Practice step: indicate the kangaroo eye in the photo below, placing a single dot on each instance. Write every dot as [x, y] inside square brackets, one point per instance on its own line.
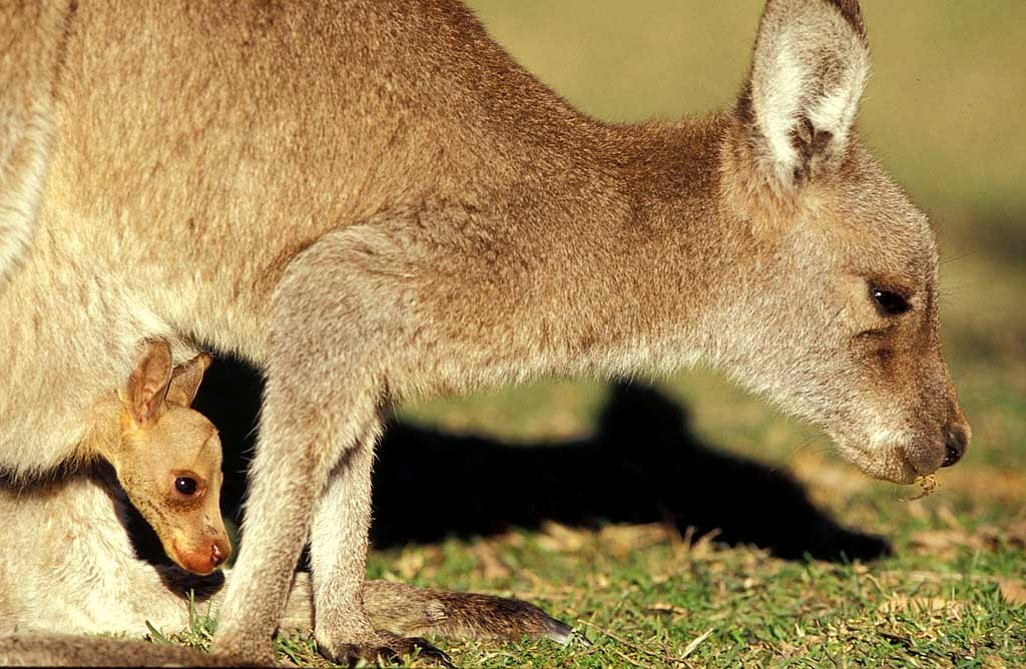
[892, 303]
[185, 485]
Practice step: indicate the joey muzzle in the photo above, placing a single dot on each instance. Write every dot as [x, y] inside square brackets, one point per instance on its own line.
[201, 557]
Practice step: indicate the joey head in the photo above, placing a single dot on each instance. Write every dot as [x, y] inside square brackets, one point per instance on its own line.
[168, 458]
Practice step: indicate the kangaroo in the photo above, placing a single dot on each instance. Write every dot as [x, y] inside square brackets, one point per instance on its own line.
[166, 456]
[370, 200]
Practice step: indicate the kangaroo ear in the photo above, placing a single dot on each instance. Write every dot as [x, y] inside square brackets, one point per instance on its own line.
[186, 380]
[148, 383]
[810, 67]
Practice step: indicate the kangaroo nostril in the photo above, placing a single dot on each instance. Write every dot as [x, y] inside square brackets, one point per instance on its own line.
[954, 446]
[216, 557]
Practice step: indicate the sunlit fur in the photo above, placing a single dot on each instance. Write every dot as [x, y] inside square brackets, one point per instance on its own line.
[32, 46]
[181, 443]
[150, 435]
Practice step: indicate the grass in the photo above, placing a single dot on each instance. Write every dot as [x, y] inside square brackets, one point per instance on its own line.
[942, 112]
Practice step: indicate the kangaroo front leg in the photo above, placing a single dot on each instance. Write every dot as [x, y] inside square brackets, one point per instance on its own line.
[326, 381]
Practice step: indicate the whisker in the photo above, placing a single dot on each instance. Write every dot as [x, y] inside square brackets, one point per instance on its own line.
[960, 256]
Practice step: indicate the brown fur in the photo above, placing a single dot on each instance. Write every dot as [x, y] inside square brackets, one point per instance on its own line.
[371, 200]
[60, 650]
[393, 607]
[95, 584]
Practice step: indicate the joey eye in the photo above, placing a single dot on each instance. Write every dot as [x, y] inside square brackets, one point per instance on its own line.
[186, 485]
[892, 303]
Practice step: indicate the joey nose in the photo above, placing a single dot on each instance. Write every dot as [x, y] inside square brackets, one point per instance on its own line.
[956, 441]
[218, 555]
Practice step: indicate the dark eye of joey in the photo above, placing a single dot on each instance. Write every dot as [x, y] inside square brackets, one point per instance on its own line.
[186, 485]
[890, 302]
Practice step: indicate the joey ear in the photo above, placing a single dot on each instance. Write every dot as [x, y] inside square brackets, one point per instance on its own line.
[808, 72]
[186, 379]
[148, 383]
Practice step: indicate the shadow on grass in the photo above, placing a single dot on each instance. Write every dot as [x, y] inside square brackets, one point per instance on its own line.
[643, 465]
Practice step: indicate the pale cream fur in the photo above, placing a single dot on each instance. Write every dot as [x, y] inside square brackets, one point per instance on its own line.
[69, 566]
[371, 200]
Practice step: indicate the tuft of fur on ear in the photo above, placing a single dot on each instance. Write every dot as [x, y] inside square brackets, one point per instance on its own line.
[808, 73]
[186, 380]
[148, 384]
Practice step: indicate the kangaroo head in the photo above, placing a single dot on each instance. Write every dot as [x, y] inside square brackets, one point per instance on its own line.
[169, 459]
[838, 316]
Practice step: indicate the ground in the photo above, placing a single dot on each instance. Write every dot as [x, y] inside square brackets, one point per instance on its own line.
[678, 521]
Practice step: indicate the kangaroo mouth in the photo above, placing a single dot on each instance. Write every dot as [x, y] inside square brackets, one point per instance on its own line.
[199, 562]
[904, 462]
[191, 562]
[893, 462]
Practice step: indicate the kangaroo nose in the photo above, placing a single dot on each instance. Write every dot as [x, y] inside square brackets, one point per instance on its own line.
[217, 556]
[955, 444]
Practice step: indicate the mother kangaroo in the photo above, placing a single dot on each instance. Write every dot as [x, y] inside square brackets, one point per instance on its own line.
[369, 200]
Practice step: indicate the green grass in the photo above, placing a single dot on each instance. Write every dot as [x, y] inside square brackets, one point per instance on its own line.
[648, 605]
[643, 597]
[943, 112]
